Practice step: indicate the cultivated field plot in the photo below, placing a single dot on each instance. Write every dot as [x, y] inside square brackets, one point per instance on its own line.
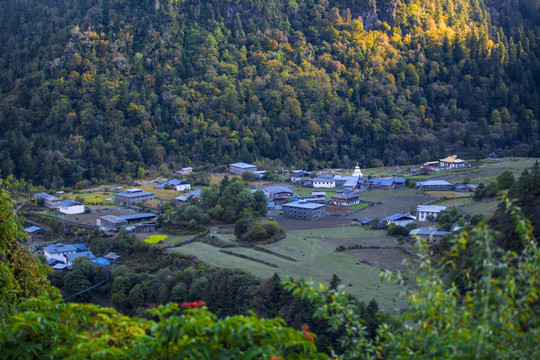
[167, 195]
[455, 202]
[290, 224]
[90, 219]
[316, 257]
[449, 194]
[486, 208]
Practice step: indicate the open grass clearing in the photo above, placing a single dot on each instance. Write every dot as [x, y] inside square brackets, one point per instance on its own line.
[486, 207]
[455, 202]
[316, 258]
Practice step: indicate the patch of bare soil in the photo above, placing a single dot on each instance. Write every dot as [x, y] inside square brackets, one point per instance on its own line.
[365, 241]
[90, 219]
[384, 259]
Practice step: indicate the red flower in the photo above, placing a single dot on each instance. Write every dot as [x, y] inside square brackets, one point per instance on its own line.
[192, 304]
[151, 304]
[307, 334]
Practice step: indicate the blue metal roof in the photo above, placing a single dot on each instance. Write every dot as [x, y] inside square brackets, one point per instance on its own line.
[181, 198]
[133, 195]
[434, 183]
[304, 205]
[278, 189]
[101, 261]
[138, 217]
[80, 247]
[243, 165]
[59, 248]
[86, 254]
[47, 197]
[32, 229]
[427, 231]
[396, 217]
[197, 192]
[323, 179]
[345, 196]
[69, 203]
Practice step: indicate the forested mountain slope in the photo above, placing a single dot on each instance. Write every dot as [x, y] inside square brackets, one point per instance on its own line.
[94, 88]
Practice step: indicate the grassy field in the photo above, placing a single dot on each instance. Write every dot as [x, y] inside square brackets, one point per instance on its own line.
[482, 207]
[315, 252]
[455, 202]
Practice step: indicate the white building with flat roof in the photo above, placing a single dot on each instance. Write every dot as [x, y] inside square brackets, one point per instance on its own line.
[240, 167]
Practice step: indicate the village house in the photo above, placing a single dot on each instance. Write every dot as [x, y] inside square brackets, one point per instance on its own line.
[111, 222]
[240, 167]
[139, 217]
[34, 233]
[349, 183]
[299, 176]
[386, 183]
[452, 162]
[181, 199]
[70, 207]
[58, 251]
[399, 219]
[323, 182]
[345, 199]
[424, 211]
[428, 234]
[49, 201]
[197, 193]
[178, 185]
[318, 194]
[132, 196]
[185, 170]
[278, 192]
[435, 185]
[304, 210]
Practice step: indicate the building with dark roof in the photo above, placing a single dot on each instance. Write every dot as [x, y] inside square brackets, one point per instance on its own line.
[385, 183]
[428, 234]
[304, 210]
[240, 167]
[435, 185]
[278, 192]
[111, 222]
[399, 219]
[345, 199]
[139, 217]
[34, 233]
[70, 207]
[132, 196]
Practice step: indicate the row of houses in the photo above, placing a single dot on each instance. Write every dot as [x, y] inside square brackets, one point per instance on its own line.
[68, 207]
[176, 184]
[449, 162]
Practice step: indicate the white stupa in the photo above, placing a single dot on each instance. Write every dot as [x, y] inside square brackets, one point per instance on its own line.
[357, 171]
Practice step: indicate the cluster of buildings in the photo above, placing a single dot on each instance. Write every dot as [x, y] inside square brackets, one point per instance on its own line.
[68, 207]
[449, 162]
[61, 257]
[111, 224]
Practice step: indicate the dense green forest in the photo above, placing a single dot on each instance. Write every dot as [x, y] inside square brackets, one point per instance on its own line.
[93, 89]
